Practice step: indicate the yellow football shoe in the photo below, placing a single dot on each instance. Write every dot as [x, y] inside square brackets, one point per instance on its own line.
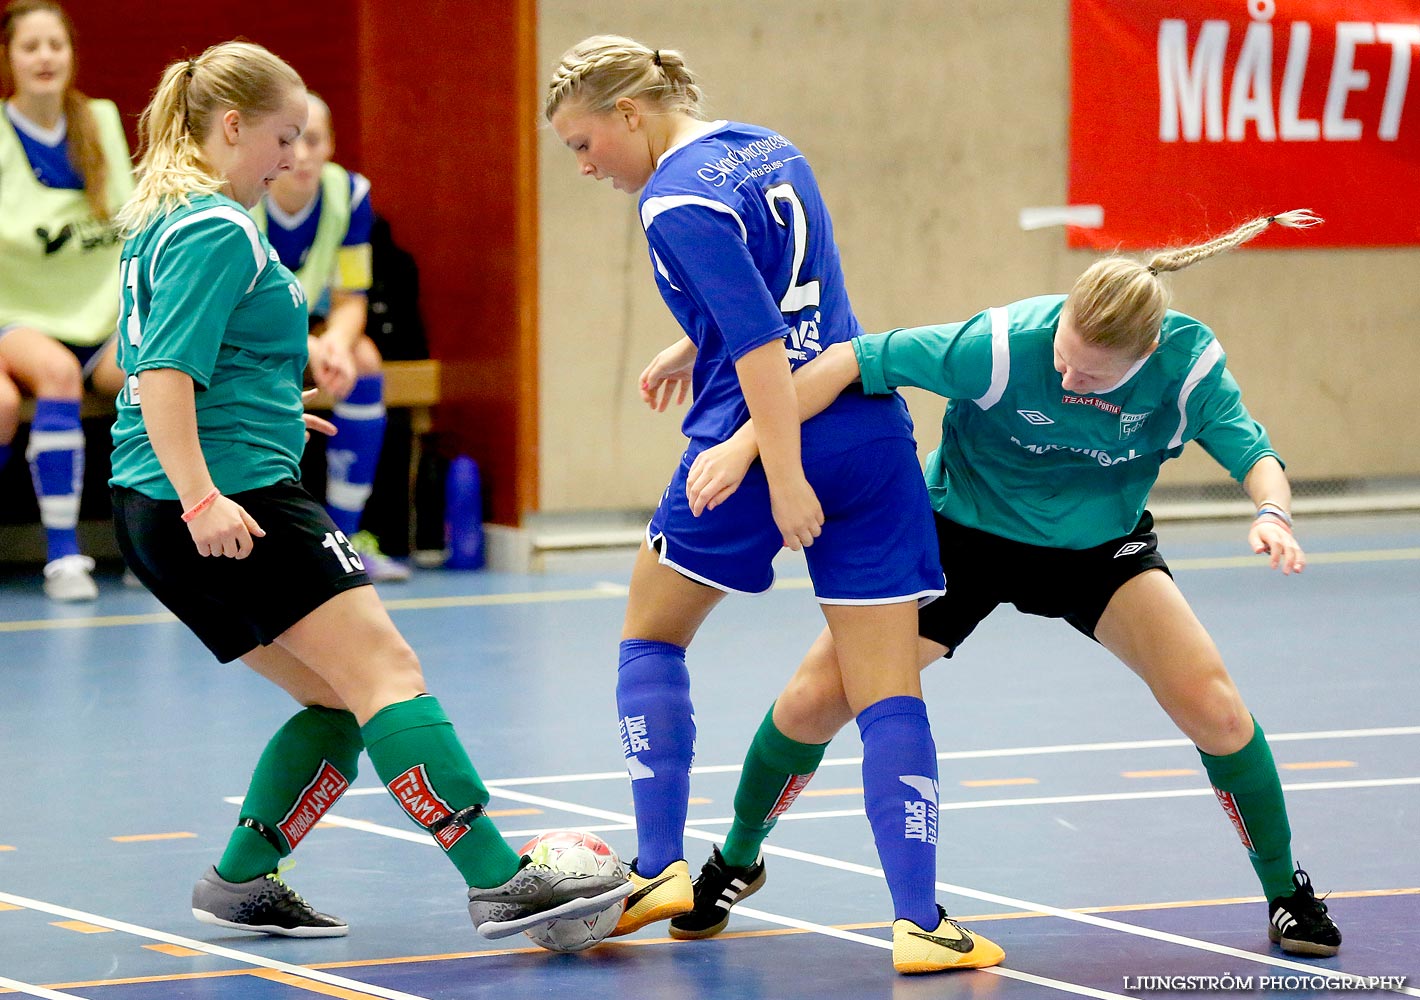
[948, 946]
[666, 895]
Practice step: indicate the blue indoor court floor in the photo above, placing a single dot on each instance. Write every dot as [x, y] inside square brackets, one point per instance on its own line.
[1077, 826]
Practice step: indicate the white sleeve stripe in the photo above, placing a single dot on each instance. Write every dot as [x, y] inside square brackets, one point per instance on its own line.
[1205, 364]
[653, 207]
[215, 212]
[359, 189]
[1000, 358]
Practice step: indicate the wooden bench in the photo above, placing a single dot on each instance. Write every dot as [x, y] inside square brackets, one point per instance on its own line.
[409, 385]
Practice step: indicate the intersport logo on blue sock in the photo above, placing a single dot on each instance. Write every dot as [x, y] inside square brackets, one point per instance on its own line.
[921, 812]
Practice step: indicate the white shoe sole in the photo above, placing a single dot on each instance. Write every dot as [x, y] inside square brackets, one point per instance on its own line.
[495, 929]
[297, 932]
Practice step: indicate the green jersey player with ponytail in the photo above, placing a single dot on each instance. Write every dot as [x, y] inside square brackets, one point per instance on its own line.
[1063, 408]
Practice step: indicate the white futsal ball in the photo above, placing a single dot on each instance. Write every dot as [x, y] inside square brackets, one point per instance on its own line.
[583, 854]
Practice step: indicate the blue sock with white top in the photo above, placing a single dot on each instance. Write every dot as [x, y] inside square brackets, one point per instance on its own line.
[56, 457]
[354, 452]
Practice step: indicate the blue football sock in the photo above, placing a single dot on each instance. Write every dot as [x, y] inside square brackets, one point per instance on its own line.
[900, 793]
[56, 457]
[658, 741]
[354, 452]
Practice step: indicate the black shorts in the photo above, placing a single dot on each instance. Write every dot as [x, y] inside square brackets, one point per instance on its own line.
[236, 605]
[984, 570]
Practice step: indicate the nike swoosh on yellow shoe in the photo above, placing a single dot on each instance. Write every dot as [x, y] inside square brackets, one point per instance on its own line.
[667, 895]
[949, 946]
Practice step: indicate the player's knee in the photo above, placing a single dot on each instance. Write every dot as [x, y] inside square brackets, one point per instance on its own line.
[367, 357]
[57, 376]
[1217, 715]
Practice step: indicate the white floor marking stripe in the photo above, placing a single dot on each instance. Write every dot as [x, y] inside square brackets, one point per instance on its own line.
[1327, 734]
[835, 932]
[990, 897]
[36, 991]
[210, 949]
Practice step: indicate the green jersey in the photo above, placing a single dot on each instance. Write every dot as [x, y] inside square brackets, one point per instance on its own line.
[204, 293]
[1024, 459]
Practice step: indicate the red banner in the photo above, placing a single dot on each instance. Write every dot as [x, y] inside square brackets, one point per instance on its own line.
[1189, 116]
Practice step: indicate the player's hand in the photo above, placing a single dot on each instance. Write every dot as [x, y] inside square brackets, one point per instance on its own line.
[797, 512]
[1270, 536]
[668, 374]
[224, 529]
[717, 472]
[314, 423]
[332, 366]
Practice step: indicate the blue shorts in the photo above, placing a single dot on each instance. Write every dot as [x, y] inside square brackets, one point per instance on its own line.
[878, 544]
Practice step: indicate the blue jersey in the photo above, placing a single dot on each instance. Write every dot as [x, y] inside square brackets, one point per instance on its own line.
[744, 256]
[292, 236]
[47, 151]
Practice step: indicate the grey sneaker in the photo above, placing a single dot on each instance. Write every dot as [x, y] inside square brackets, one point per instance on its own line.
[266, 905]
[537, 894]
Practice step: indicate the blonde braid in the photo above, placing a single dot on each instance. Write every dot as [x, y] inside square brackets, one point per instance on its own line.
[1120, 303]
[600, 70]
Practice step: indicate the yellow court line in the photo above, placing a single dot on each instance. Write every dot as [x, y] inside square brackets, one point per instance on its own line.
[1316, 765]
[135, 838]
[80, 927]
[642, 942]
[618, 593]
[818, 793]
[9, 906]
[529, 811]
[1168, 772]
[7, 847]
[175, 950]
[310, 985]
[998, 782]
[698, 800]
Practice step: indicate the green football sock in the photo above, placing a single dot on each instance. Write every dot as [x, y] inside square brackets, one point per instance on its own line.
[776, 769]
[420, 760]
[305, 768]
[1250, 791]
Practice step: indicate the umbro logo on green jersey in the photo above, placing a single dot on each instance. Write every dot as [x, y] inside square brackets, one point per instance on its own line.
[1035, 417]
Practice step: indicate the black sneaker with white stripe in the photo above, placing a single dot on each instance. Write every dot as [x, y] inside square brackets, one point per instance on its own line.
[1299, 922]
[718, 887]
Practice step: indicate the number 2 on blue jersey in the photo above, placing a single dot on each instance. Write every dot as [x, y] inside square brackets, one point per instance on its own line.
[798, 295]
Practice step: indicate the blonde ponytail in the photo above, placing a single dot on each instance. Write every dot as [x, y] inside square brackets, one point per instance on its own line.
[1120, 303]
[187, 104]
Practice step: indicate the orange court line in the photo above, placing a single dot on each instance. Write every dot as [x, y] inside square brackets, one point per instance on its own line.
[310, 985]
[528, 811]
[9, 906]
[1317, 765]
[81, 927]
[134, 838]
[1168, 772]
[698, 800]
[818, 793]
[7, 847]
[997, 782]
[175, 950]
[453, 956]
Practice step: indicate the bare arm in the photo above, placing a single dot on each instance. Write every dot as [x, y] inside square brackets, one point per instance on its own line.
[168, 401]
[1271, 532]
[768, 387]
[717, 472]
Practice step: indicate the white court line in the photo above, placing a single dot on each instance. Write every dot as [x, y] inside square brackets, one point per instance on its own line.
[990, 897]
[203, 946]
[1059, 748]
[36, 991]
[842, 935]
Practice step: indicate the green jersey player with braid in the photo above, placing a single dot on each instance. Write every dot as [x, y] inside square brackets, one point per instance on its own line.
[1062, 410]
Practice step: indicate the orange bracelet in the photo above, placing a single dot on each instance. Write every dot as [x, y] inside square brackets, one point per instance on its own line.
[201, 505]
